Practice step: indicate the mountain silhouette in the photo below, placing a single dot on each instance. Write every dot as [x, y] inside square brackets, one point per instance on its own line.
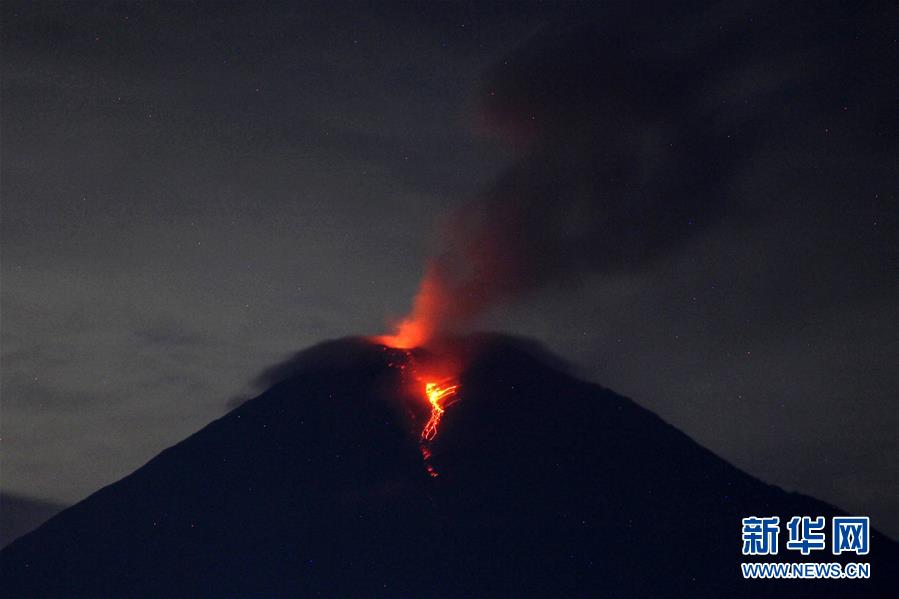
[547, 486]
[20, 515]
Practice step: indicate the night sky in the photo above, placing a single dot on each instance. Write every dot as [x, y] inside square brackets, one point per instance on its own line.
[695, 205]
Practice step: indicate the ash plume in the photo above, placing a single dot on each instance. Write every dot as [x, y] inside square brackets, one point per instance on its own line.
[631, 138]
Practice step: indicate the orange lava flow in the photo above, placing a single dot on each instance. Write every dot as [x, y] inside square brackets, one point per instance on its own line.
[435, 393]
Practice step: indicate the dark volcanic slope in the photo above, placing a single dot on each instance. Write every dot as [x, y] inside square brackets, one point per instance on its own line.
[548, 486]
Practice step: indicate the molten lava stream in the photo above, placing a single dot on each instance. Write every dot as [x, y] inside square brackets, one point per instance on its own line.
[439, 390]
[435, 393]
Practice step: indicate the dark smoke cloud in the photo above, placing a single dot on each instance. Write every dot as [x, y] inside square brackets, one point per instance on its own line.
[635, 129]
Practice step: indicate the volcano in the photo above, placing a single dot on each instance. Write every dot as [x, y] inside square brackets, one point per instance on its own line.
[547, 486]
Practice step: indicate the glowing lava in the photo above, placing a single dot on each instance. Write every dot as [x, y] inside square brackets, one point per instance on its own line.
[433, 380]
[435, 394]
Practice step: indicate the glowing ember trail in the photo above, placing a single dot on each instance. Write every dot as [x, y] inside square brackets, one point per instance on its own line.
[440, 390]
[435, 393]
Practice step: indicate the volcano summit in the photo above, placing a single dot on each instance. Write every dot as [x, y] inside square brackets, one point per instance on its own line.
[547, 486]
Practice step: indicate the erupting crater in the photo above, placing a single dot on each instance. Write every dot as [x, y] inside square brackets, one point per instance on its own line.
[431, 379]
[434, 374]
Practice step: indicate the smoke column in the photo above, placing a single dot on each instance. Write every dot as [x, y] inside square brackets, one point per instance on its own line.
[607, 179]
[631, 136]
